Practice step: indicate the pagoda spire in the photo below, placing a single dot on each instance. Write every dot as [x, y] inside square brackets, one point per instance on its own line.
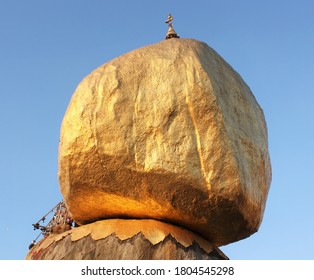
[171, 33]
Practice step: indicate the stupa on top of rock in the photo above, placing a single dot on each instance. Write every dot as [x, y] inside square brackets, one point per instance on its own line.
[163, 155]
[171, 33]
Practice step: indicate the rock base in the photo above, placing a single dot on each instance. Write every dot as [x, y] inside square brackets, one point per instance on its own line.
[125, 240]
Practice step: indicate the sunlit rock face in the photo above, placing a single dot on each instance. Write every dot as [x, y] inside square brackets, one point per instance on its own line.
[169, 132]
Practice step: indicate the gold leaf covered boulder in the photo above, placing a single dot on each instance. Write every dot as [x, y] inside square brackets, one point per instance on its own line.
[169, 132]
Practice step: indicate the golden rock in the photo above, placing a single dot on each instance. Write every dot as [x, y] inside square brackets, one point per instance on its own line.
[169, 132]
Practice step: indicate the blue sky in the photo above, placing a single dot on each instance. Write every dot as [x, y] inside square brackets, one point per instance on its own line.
[47, 47]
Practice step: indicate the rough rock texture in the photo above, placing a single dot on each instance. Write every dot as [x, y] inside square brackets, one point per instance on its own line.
[125, 240]
[170, 132]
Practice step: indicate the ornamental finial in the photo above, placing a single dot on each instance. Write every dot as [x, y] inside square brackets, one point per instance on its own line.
[171, 33]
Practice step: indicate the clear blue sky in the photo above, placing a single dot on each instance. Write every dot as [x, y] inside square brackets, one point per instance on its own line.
[47, 47]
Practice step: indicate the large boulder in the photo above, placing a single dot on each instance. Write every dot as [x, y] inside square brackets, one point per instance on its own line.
[170, 132]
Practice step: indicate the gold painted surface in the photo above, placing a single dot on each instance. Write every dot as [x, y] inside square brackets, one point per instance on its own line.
[170, 132]
[154, 231]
